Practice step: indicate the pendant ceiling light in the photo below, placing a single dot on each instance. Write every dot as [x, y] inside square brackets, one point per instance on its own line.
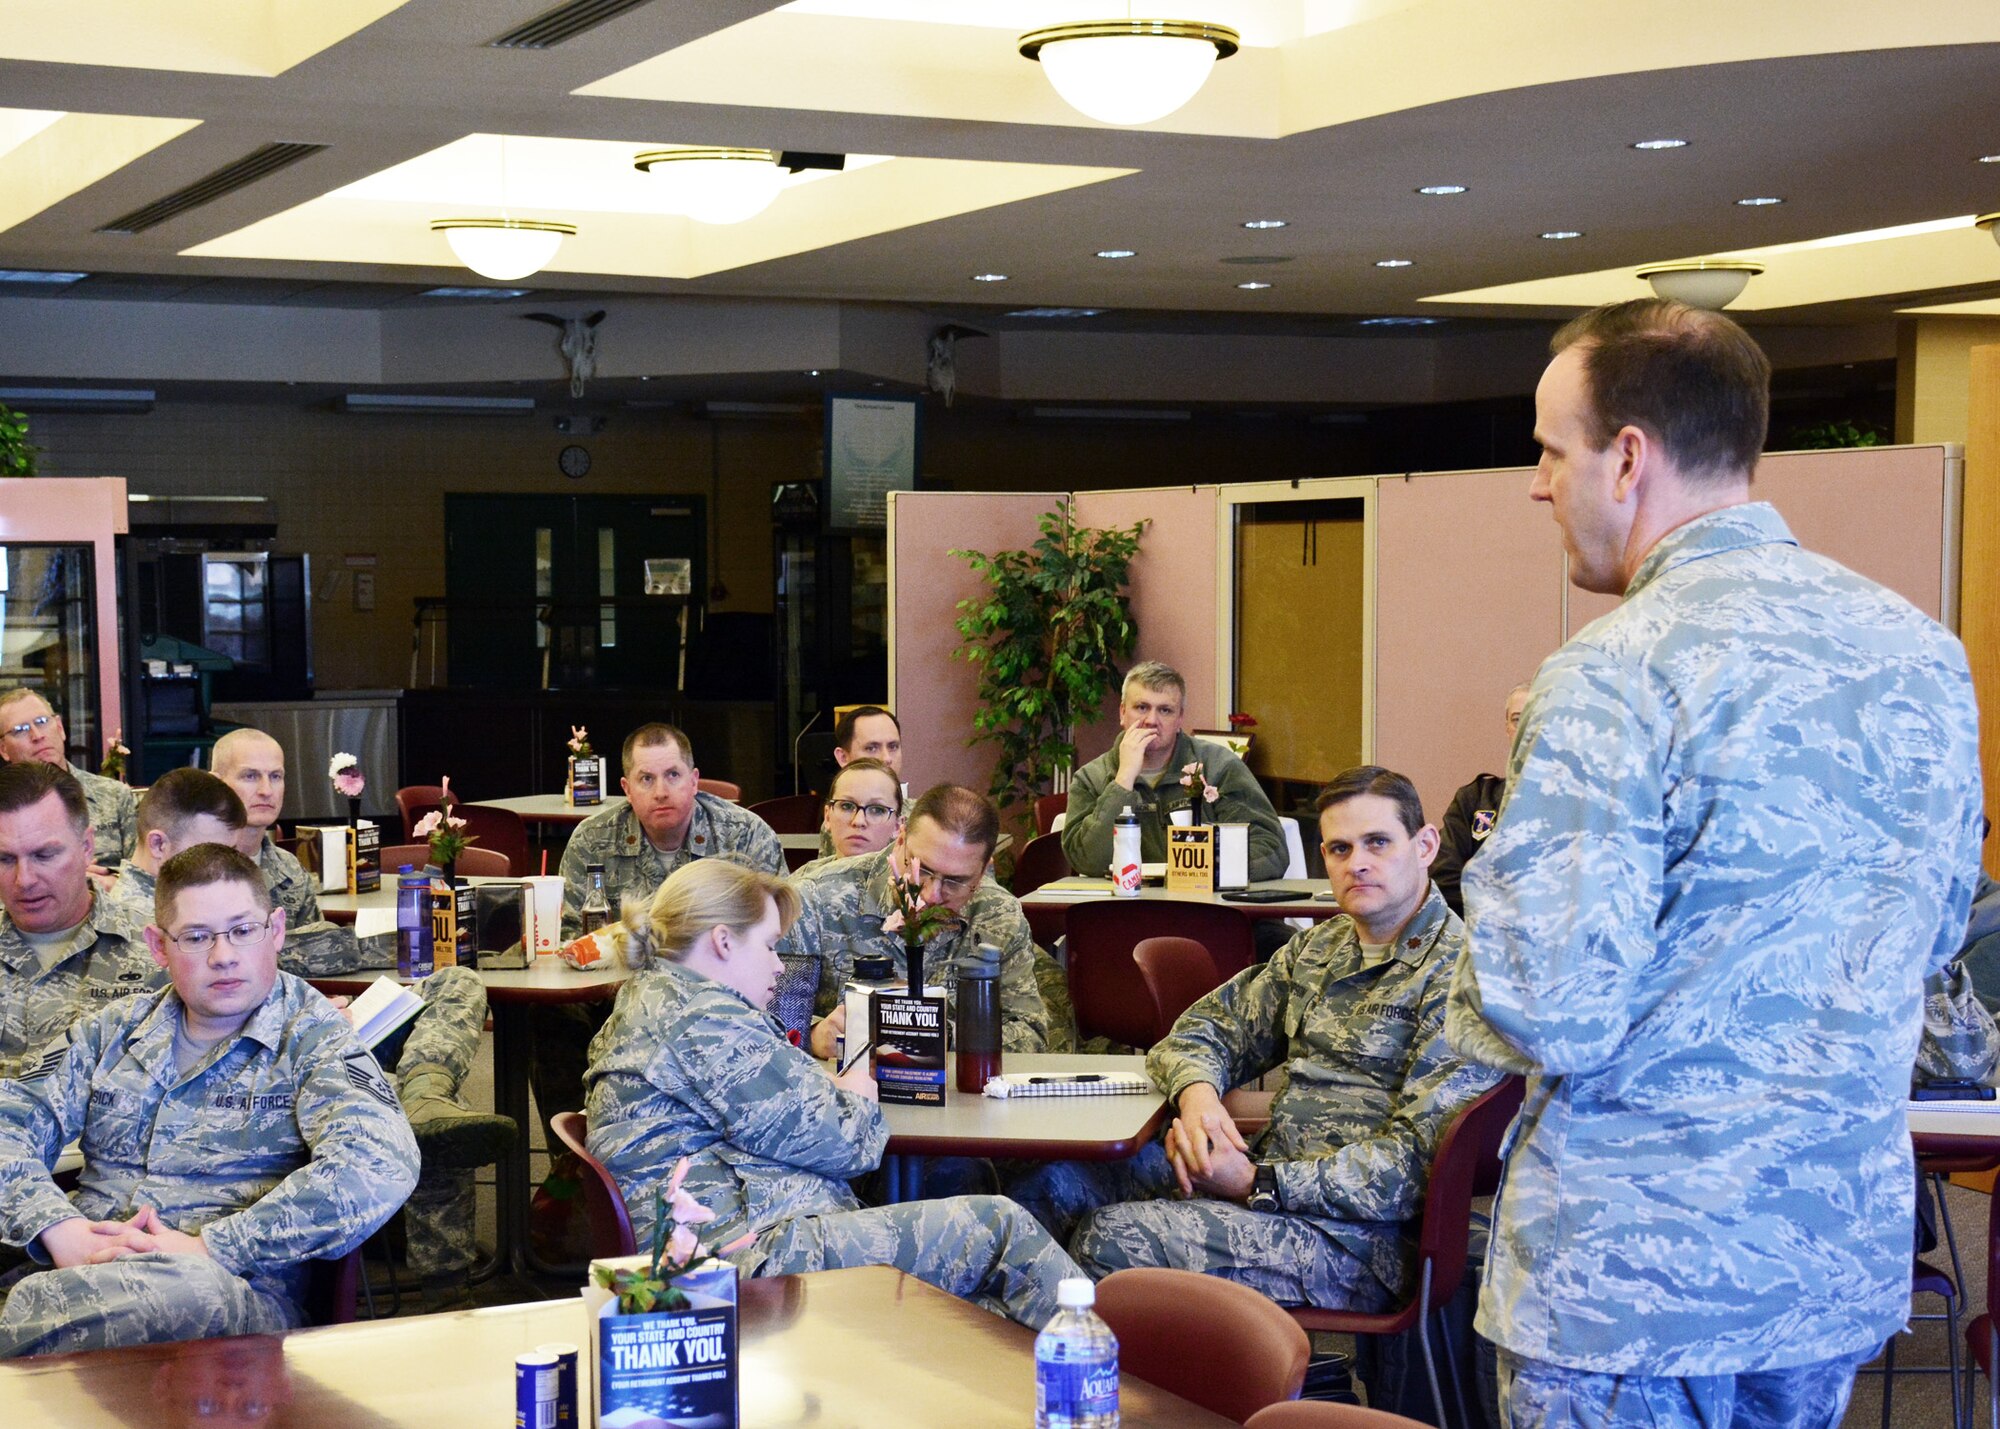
[717, 185]
[1129, 71]
[1989, 221]
[503, 249]
[1710, 283]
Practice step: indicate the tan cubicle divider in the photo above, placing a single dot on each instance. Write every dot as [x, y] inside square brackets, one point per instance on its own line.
[1979, 603]
[1470, 594]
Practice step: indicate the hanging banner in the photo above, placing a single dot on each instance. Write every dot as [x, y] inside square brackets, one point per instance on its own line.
[871, 450]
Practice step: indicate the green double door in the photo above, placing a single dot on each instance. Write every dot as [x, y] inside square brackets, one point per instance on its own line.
[551, 591]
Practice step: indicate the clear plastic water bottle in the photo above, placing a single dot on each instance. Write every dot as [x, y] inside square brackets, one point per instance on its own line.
[596, 909]
[1076, 1365]
[1126, 868]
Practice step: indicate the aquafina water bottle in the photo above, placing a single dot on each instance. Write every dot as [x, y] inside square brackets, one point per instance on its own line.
[1076, 1364]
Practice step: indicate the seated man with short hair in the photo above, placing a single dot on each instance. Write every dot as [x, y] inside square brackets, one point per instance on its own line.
[1471, 814]
[947, 843]
[1143, 771]
[31, 731]
[1319, 1209]
[232, 1131]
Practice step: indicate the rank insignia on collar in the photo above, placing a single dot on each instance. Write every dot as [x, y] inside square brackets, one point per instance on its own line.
[1482, 823]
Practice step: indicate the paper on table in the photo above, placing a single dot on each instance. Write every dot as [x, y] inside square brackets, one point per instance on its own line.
[373, 922]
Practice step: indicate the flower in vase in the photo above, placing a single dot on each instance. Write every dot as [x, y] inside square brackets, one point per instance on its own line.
[579, 742]
[445, 833]
[345, 771]
[676, 1249]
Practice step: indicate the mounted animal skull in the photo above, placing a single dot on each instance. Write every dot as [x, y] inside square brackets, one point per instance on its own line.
[579, 345]
[941, 359]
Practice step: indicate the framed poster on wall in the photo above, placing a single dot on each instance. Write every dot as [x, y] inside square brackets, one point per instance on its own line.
[871, 450]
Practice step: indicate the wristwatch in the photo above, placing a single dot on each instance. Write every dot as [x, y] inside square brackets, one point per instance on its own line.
[1264, 1189]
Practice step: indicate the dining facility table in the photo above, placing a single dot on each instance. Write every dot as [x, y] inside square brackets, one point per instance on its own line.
[1070, 1128]
[837, 1348]
[511, 996]
[1309, 900]
[551, 808]
[341, 907]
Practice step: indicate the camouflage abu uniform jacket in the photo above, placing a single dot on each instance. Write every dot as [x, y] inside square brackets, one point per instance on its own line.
[114, 815]
[1370, 1084]
[43, 992]
[632, 866]
[686, 1067]
[1742, 830]
[313, 946]
[284, 1145]
[1095, 802]
[845, 901]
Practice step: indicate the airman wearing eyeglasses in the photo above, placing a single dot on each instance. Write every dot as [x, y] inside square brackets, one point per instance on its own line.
[944, 848]
[66, 949]
[864, 808]
[31, 731]
[232, 1128]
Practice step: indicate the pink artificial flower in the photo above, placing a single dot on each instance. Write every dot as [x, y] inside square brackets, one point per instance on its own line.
[1210, 793]
[349, 782]
[682, 1245]
[680, 1174]
[894, 922]
[687, 1211]
[742, 1242]
[444, 791]
[426, 826]
[1194, 768]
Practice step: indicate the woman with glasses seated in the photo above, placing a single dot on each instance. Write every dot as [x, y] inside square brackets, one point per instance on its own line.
[691, 1065]
[864, 809]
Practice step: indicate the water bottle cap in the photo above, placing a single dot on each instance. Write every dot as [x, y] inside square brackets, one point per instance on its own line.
[984, 963]
[874, 967]
[1076, 1294]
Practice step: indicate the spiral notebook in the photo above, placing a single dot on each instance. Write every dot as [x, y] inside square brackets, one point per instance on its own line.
[1070, 1084]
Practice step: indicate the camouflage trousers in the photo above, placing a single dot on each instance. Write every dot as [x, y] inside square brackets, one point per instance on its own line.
[984, 1249]
[140, 1300]
[438, 1217]
[1116, 1214]
[1535, 1394]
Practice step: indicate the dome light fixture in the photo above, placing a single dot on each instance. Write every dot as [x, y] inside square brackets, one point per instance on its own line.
[716, 184]
[503, 249]
[1263, 223]
[1441, 190]
[1990, 222]
[1653, 145]
[1395, 262]
[1127, 72]
[1253, 286]
[1708, 283]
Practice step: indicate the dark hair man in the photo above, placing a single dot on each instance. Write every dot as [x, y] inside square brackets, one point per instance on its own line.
[869, 732]
[1742, 829]
[1320, 1208]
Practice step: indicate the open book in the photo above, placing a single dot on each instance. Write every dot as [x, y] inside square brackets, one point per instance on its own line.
[379, 1011]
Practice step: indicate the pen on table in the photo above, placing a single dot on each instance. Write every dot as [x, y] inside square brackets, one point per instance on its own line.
[1080, 1077]
[855, 1058]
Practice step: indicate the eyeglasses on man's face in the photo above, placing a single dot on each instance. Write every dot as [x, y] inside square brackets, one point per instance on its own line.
[871, 813]
[950, 885]
[29, 725]
[240, 935]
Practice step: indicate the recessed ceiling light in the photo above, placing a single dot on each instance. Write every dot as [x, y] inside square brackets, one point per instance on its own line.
[1441, 190]
[1557, 235]
[1661, 144]
[36, 275]
[989, 277]
[1983, 158]
[475, 293]
[1252, 286]
[812, 372]
[1117, 253]
[1055, 312]
[1265, 223]
[1761, 202]
[1399, 322]
[1395, 262]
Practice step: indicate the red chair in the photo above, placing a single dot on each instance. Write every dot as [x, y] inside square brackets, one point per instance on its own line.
[1105, 985]
[1467, 1164]
[1251, 1354]
[331, 1289]
[1047, 806]
[721, 788]
[1178, 973]
[610, 1225]
[1982, 1336]
[1320, 1414]
[792, 814]
[475, 862]
[500, 831]
[413, 801]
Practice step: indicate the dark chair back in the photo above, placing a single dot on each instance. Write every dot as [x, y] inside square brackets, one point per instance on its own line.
[500, 831]
[791, 814]
[1046, 808]
[721, 788]
[413, 801]
[332, 1288]
[1178, 973]
[603, 1206]
[475, 862]
[1042, 861]
[1252, 1354]
[1109, 993]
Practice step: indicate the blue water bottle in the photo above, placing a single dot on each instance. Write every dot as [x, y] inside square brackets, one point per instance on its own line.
[413, 924]
[1076, 1364]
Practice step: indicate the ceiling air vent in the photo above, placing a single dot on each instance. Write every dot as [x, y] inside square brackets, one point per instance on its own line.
[226, 180]
[565, 22]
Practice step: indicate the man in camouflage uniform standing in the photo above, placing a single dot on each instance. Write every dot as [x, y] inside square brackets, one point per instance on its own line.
[30, 730]
[67, 949]
[1317, 1210]
[850, 908]
[1743, 827]
[435, 1057]
[232, 1130]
